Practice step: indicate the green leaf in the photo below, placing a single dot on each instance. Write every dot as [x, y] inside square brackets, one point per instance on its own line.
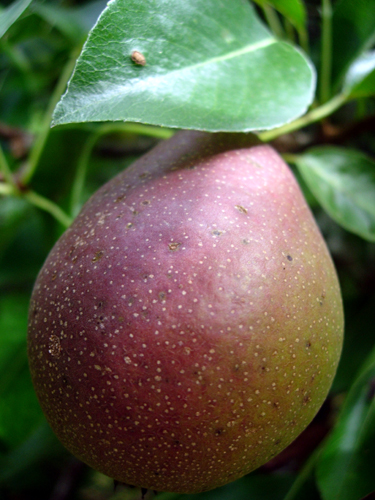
[293, 10]
[360, 79]
[345, 470]
[343, 181]
[354, 352]
[62, 18]
[16, 391]
[353, 32]
[13, 326]
[10, 15]
[88, 13]
[12, 212]
[34, 453]
[74, 23]
[209, 66]
[255, 486]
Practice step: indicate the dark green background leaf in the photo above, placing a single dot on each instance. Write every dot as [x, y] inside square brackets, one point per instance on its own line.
[360, 79]
[209, 65]
[19, 409]
[293, 10]
[353, 31]
[72, 22]
[35, 51]
[10, 15]
[343, 181]
[255, 486]
[64, 19]
[345, 470]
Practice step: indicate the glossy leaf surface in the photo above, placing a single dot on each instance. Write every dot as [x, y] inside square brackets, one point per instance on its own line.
[343, 181]
[360, 79]
[10, 15]
[353, 30]
[209, 65]
[345, 467]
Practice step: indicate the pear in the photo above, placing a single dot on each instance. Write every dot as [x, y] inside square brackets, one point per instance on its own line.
[188, 325]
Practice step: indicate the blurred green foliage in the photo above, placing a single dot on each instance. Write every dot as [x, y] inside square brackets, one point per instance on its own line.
[47, 174]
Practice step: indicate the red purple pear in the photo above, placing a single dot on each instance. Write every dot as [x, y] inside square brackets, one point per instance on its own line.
[188, 325]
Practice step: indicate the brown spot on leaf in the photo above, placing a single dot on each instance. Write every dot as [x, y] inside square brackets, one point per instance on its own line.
[138, 58]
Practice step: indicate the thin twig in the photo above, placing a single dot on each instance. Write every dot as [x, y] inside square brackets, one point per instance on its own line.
[311, 117]
[6, 189]
[6, 171]
[81, 171]
[273, 21]
[48, 206]
[38, 146]
[158, 132]
[304, 39]
[326, 52]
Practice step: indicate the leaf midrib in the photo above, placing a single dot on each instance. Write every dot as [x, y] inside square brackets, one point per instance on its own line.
[339, 187]
[231, 55]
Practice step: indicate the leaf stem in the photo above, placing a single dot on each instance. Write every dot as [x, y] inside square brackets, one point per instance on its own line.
[326, 56]
[290, 158]
[41, 139]
[311, 117]
[289, 30]
[80, 176]
[5, 170]
[304, 39]
[135, 128]
[139, 128]
[48, 206]
[10, 188]
[6, 189]
[273, 21]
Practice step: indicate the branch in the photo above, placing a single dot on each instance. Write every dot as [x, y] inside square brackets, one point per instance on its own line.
[313, 116]
[48, 206]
